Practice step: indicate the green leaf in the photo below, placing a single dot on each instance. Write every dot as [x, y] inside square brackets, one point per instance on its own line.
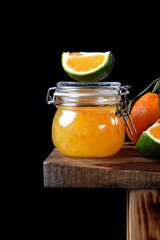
[157, 86]
[132, 101]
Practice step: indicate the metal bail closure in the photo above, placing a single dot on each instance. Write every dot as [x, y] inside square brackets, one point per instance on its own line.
[123, 110]
[125, 114]
[49, 98]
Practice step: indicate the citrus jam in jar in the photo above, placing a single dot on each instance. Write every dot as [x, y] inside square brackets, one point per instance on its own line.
[88, 122]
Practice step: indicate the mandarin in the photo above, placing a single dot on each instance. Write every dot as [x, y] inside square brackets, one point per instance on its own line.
[88, 66]
[149, 142]
[144, 113]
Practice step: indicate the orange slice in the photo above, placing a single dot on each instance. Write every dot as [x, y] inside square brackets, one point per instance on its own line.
[149, 142]
[88, 67]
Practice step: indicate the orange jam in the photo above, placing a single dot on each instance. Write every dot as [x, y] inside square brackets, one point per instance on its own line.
[90, 132]
[88, 122]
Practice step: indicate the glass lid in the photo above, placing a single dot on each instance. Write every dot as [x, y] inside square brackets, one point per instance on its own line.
[80, 93]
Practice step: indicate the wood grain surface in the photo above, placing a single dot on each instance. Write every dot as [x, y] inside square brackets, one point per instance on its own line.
[143, 215]
[126, 169]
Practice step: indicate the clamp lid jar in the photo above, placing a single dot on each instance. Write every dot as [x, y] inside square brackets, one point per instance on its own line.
[88, 120]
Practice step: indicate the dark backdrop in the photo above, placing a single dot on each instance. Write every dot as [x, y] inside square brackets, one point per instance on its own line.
[133, 39]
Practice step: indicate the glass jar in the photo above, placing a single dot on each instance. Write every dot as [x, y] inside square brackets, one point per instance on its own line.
[88, 122]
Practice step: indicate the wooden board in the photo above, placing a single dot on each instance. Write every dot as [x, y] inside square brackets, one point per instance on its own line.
[126, 169]
[143, 214]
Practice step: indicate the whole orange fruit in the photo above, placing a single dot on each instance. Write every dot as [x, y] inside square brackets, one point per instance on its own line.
[144, 113]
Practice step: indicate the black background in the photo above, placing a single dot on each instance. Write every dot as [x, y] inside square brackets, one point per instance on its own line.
[132, 34]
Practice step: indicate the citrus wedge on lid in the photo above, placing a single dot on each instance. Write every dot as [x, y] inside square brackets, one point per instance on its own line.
[87, 66]
[149, 142]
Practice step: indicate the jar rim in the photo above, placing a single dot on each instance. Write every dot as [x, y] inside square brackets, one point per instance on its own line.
[88, 85]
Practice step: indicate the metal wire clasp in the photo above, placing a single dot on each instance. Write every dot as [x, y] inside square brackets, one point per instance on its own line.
[122, 108]
[49, 98]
